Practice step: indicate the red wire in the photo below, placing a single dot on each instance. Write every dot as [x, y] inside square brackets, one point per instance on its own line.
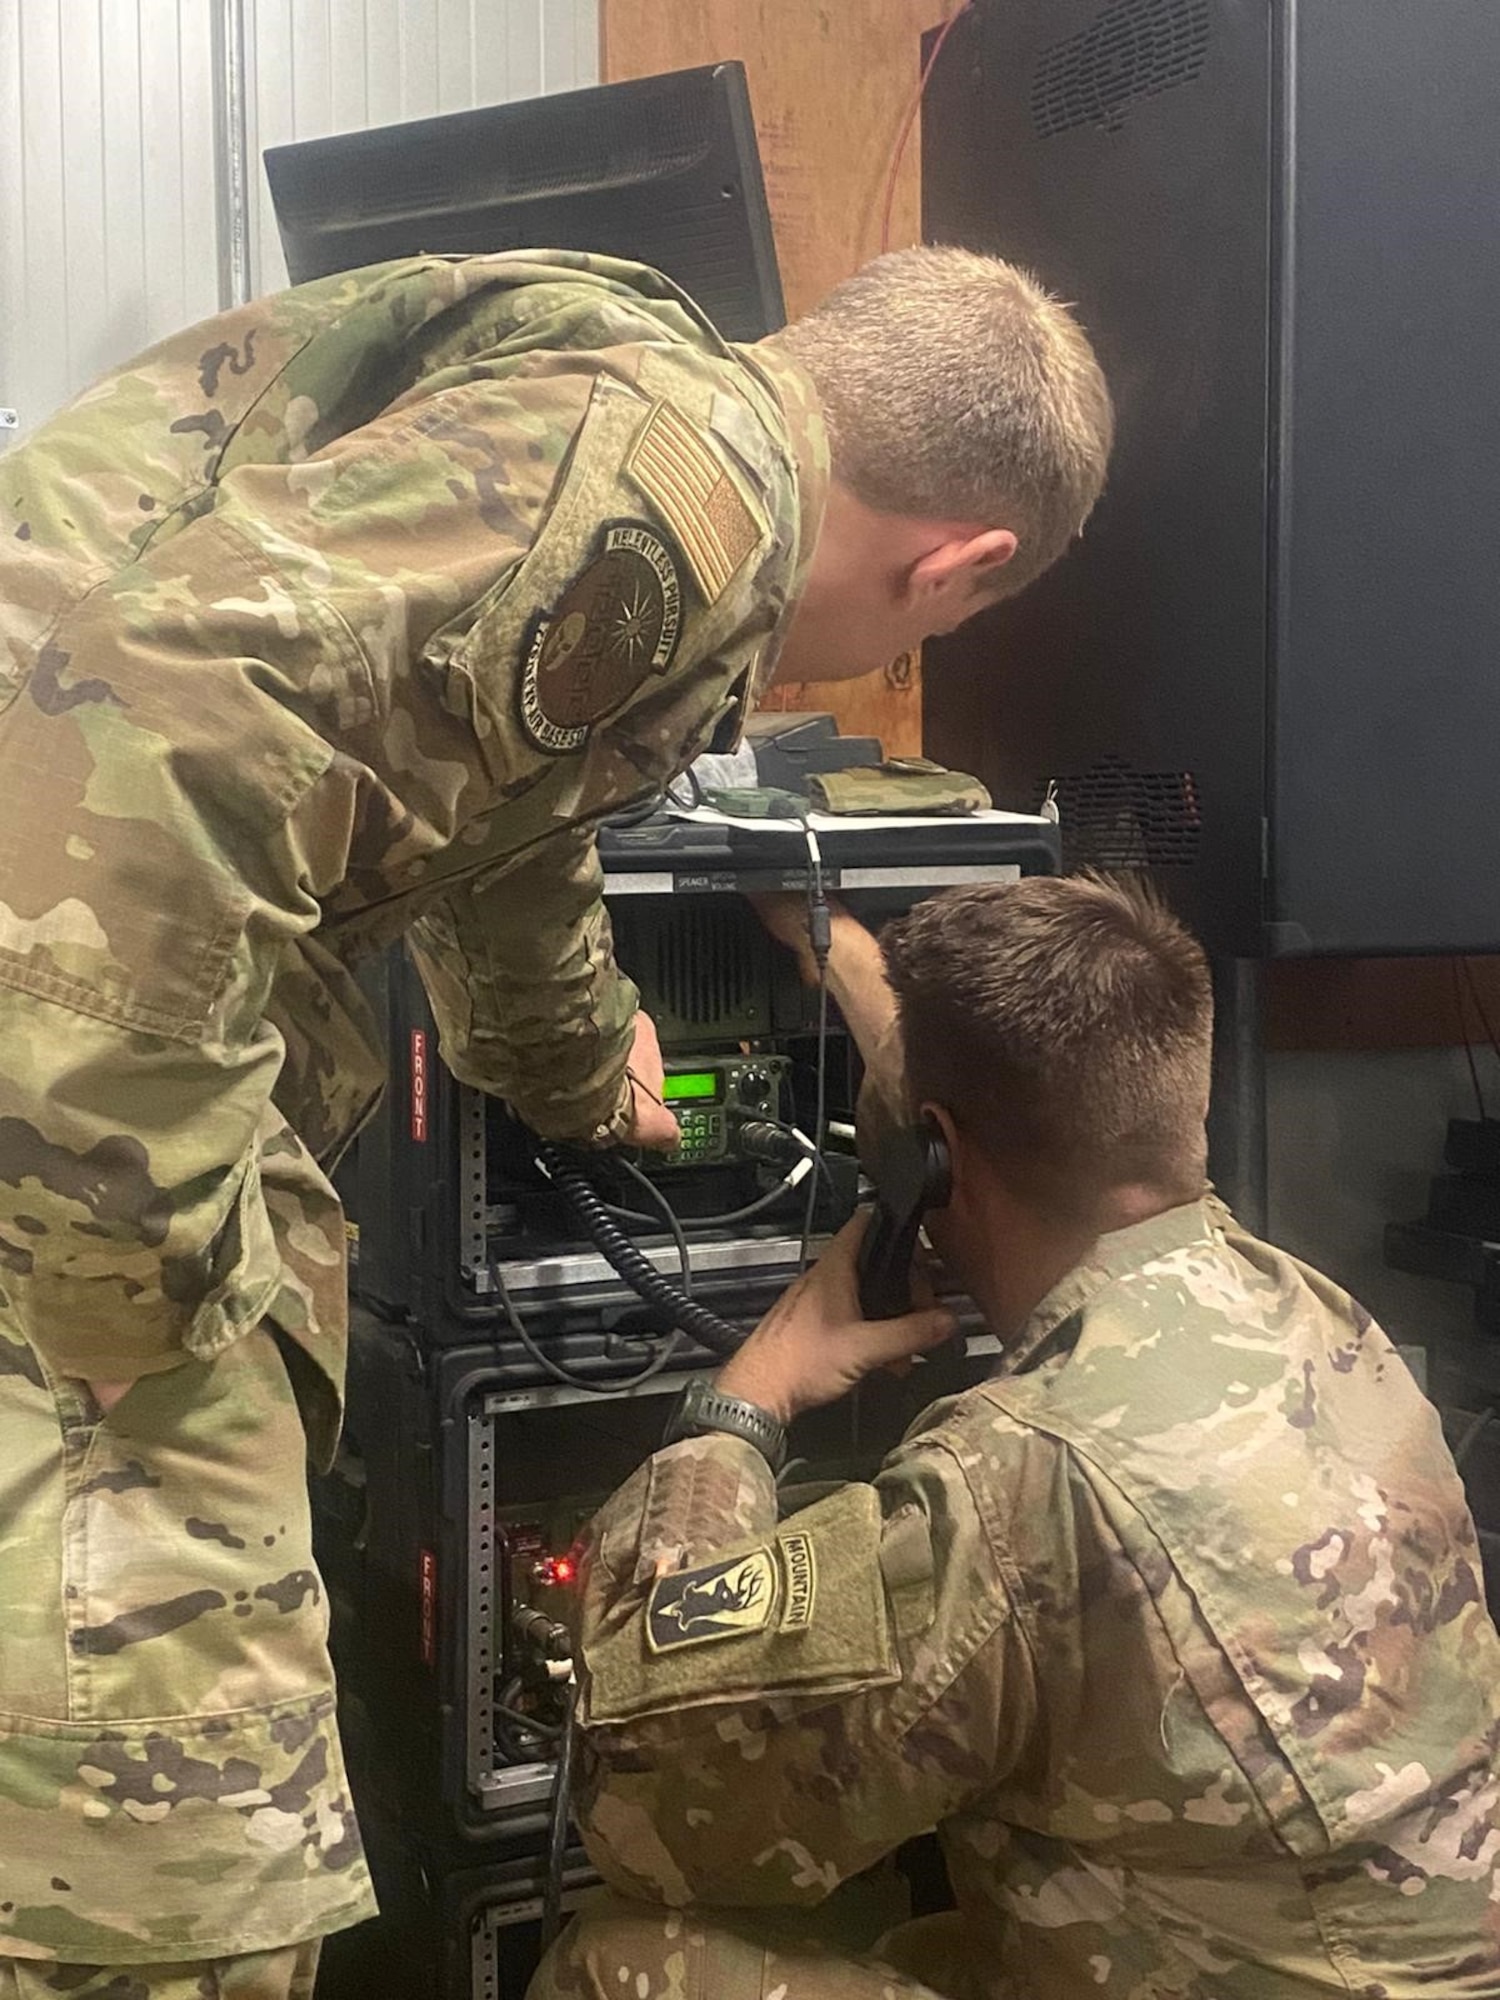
[911, 118]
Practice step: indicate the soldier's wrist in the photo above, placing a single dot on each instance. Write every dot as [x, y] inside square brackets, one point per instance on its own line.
[616, 1129]
[706, 1408]
[741, 1377]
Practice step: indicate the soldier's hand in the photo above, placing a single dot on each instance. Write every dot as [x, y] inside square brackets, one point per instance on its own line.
[784, 914]
[814, 1344]
[651, 1124]
[882, 1107]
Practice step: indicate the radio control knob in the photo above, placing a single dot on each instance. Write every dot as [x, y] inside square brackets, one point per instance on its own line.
[755, 1087]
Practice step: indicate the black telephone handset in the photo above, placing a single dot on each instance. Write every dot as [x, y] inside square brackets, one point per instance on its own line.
[911, 1175]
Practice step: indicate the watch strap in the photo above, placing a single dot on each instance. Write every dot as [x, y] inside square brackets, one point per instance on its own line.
[702, 1410]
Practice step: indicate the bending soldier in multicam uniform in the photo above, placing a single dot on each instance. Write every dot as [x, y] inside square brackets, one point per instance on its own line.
[1174, 1628]
[346, 616]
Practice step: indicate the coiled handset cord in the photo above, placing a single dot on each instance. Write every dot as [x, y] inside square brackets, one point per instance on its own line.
[642, 1276]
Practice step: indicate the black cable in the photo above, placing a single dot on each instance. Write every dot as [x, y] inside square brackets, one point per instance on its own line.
[658, 1362]
[557, 1824]
[638, 814]
[1471, 1437]
[630, 1262]
[512, 1751]
[508, 1718]
[670, 795]
[614, 1386]
[765, 1118]
[820, 937]
[1484, 1012]
[819, 1119]
[733, 1215]
[669, 1216]
[638, 1083]
[751, 1209]
[1463, 1029]
[549, 1732]
[814, 1153]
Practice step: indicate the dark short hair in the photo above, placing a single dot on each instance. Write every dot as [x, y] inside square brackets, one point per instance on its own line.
[1065, 1023]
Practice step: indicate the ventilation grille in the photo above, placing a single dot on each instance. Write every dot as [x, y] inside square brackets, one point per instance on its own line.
[1136, 48]
[710, 966]
[1116, 817]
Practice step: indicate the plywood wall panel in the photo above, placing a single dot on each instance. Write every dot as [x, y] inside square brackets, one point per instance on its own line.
[829, 86]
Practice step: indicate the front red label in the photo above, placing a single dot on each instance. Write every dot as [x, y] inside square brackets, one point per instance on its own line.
[419, 1085]
[428, 1574]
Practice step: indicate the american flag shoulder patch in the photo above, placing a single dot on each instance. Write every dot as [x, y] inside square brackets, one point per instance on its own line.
[680, 473]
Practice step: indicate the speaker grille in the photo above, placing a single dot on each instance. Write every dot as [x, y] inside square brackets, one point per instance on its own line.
[1114, 816]
[709, 964]
[1135, 48]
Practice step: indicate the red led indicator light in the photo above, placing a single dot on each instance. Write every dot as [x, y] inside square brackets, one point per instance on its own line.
[556, 1569]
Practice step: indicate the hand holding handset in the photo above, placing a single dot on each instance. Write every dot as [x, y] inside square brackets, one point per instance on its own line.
[910, 1169]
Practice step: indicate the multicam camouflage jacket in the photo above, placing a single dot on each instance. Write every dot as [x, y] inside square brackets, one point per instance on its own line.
[347, 615]
[1175, 1628]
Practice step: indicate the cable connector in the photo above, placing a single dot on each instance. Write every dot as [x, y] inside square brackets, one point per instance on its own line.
[758, 1139]
[819, 916]
[820, 929]
[541, 1634]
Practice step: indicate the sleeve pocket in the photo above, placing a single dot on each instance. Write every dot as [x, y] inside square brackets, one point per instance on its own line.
[801, 1612]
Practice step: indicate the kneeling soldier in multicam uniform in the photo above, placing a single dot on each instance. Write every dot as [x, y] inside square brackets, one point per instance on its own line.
[1174, 1628]
[344, 617]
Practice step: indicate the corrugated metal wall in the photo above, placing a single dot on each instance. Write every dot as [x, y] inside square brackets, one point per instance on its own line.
[107, 161]
[106, 187]
[320, 66]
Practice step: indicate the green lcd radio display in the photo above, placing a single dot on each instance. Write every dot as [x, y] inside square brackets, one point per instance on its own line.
[709, 1096]
[691, 1084]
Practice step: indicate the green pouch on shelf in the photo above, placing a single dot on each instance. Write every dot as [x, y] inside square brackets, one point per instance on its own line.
[899, 785]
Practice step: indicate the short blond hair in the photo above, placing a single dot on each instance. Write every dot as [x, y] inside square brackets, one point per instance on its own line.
[1066, 1025]
[956, 388]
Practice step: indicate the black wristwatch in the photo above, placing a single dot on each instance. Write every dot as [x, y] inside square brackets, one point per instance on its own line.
[702, 1409]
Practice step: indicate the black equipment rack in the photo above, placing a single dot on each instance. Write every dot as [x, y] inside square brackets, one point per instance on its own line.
[418, 1185]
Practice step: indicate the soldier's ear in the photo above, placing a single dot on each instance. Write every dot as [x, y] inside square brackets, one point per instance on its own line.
[965, 1162]
[963, 557]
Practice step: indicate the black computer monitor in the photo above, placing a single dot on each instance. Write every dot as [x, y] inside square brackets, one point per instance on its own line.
[664, 169]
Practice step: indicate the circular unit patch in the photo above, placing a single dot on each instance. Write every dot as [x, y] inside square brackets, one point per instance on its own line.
[616, 622]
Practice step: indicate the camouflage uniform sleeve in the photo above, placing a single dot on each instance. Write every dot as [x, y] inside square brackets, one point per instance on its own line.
[769, 1708]
[281, 712]
[604, 666]
[176, 814]
[166, 831]
[520, 971]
